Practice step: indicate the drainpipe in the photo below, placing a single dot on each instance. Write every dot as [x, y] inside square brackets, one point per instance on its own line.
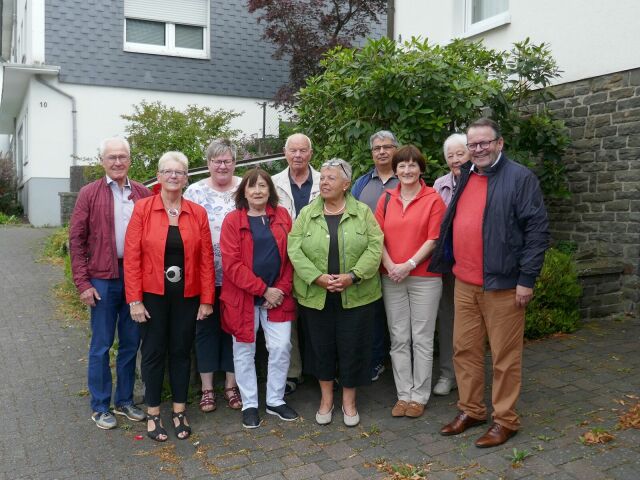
[74, 116]
[391, 18]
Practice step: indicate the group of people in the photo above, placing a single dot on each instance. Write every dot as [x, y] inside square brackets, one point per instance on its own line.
[326, 267]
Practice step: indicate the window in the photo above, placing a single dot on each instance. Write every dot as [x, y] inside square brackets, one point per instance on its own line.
[483, 15]
[167, 27]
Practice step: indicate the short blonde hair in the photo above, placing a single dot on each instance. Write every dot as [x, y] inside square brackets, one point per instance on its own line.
[179, 157]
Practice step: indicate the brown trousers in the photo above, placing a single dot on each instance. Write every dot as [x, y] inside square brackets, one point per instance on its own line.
[478, 314]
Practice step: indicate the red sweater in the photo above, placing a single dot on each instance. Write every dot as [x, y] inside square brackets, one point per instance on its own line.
[467, 231]
[406, 231]
[145, 243]
[240, 284]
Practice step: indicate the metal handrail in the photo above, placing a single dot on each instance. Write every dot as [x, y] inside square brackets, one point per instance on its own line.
[247, 162]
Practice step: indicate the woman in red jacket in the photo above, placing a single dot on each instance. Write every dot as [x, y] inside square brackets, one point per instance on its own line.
[169, 283]
[257, 292]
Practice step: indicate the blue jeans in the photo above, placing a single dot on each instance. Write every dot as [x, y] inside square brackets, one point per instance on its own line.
[111, 311]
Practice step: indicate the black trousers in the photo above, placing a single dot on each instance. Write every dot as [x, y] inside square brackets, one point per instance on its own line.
[170, 330]
[339, 337]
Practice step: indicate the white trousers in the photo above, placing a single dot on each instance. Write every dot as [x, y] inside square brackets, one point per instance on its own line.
[278, 341]
[412, 307]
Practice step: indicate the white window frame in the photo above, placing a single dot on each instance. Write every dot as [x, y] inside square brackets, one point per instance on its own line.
[170, 48]
[472, 29]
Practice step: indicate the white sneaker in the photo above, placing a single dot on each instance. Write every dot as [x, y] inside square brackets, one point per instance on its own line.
[444, 386]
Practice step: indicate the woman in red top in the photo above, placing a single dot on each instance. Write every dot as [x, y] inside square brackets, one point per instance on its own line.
[169, 283]
[256, 292]
[410, 216]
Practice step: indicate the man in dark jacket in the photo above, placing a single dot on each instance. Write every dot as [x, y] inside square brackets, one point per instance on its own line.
[493, 238]
[96, 241]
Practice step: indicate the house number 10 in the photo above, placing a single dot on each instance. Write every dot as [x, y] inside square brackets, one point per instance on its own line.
[43, 104]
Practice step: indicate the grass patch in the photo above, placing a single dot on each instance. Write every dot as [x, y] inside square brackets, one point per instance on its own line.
[9, 219]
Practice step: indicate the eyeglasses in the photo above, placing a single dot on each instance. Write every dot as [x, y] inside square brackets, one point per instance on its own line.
[483, 145]
[115, 158]
[336, 164]
[380, 148]
[171, 173]
[218, 163]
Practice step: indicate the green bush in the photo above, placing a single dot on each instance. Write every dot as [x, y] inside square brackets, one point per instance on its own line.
[56, 244]
[424, 92]
[8, 219]
[155, 128]
[555, 304]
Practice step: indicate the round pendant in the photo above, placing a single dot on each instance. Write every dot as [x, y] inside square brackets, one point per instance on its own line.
[173, 212]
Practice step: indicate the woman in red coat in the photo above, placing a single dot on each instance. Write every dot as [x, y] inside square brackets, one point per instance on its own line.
[257, 292]
[169, 283]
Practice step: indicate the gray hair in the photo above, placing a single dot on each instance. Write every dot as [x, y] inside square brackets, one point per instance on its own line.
[286, 144]
[179, 157]
[340, 164]
[383, 135]
[220, 146]
[123, 141]
[454, 139]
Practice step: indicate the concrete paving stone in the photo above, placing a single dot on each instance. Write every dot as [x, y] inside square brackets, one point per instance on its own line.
[352, 461]
[567, 380]
[342, 474]
[583, 469]
[291, 460]
[271, 476]
[303, 471]
[328, 465]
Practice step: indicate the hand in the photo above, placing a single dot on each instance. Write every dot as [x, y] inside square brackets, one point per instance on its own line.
[274, 296]
[339, 282]
[399, 271]
[204, 310]
[323, 281]
[139, 314]
[523, 295]
[90, 296]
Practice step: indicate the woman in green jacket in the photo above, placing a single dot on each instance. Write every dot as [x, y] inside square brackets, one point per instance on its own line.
[335, 247]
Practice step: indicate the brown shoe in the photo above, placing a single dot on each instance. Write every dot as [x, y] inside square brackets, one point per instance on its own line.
[414, 410]
[496, 435]
[399, 409]
[233, 398]
[460, 424]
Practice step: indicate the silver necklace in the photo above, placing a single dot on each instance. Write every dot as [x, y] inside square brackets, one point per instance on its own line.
[337, 211]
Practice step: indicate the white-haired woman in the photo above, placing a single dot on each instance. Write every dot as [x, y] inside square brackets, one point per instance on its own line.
[335, 247]
[214, 348]
[456, 154]
[169, 284]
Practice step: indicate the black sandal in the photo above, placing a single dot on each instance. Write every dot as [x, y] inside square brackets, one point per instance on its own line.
[159, 430]
[182, 426]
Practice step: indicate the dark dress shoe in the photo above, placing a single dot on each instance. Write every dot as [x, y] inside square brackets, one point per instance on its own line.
[460, 424]
[496, 435]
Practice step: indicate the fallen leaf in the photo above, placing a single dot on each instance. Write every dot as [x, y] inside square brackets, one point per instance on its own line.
[593, 438]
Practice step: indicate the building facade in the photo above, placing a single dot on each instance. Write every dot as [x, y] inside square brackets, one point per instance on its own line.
[596, 46]
[72, 68]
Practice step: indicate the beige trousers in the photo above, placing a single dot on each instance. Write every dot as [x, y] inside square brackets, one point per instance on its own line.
[494, 314]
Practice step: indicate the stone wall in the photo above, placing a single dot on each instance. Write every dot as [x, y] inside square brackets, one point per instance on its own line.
[603, 165]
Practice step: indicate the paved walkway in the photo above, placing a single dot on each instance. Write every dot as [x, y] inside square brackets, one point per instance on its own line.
[572, 384]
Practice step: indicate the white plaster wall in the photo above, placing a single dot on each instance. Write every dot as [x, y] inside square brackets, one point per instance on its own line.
[587, 37]
[99, 111]
[36, 46]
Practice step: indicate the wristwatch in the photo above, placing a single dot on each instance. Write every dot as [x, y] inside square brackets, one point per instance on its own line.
[412, 262]
[133, 304]
[354, 278]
